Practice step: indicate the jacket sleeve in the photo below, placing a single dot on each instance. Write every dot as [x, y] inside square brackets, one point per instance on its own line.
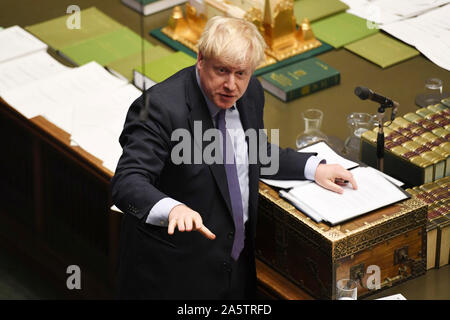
[146, 147]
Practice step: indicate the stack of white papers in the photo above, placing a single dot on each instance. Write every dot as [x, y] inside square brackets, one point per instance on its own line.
[375, 190]
[87, 102]
[16, 73]
[98, 123]
[424, 24]
[16, 42]
[323, 151]
[429, 33]
[373, 11]
[54, 97]
[388, 11]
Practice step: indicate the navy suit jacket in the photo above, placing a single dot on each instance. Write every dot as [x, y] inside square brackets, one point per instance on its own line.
[153, 264]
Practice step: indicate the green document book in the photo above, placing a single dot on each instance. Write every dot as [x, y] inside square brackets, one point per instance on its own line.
[147, 7]
[57, 34]
[342, 29]
[124, 67]
[300, 79]
[105, 48]
[317, 9]
[160, 69]
[382, 50]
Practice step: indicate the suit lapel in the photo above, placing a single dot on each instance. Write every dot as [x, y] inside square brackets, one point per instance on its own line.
[199, 112]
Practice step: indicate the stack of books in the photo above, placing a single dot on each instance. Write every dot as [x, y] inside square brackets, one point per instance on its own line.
[147, 7]
[417, 146]
[437, 196]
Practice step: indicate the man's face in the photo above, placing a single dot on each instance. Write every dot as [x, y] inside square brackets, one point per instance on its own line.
[223, 83]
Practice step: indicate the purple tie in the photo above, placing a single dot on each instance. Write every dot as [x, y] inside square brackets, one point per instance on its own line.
[233, 187]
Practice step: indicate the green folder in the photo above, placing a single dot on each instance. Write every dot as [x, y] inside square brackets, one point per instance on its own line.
[382, 50]
[160, 69]
[105, 48]
[126, 65]
[57, 35]
[342, 29]
[317, 9]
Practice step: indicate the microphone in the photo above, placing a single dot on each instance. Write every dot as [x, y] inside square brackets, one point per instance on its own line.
[365, 93]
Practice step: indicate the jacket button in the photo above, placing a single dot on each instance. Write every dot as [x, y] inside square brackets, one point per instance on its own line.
[230, 235]
[227, 267]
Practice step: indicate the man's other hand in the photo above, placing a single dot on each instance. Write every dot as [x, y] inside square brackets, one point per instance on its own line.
[186, 219]
[333, 176]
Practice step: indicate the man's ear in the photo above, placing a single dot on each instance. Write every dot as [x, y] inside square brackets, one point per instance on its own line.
[200, 58]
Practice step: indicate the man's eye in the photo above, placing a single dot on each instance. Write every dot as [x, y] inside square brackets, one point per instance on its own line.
[221, 70]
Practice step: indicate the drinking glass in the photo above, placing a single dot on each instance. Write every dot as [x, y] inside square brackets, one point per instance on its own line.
[433, 91]
[346, 289]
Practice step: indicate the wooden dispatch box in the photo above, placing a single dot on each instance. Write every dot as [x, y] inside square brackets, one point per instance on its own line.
[315, 255]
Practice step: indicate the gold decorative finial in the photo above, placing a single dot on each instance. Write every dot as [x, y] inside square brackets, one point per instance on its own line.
[274, 19]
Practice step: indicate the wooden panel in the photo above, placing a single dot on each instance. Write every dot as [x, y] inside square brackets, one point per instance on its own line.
[383, 256]
[276, 286]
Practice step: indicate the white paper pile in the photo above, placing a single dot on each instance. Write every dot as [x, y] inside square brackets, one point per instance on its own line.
[87, 102]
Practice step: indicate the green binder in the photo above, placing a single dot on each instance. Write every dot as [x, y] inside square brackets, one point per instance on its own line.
[57, 35]
[160, 69]
[126, 65]
[342, 29]
[382, 50]
[317, 9]
[105, 48]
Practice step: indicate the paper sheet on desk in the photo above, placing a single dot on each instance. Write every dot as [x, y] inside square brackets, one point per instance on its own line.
[323, 151]
[16, 42]
[397, 296]
[53, 97]
[18, 72]
[98, 123]
[429, 33]
[388, 11]
[373, 192]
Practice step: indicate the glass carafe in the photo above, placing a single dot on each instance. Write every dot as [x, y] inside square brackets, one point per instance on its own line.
[358, 123]
[313, 123]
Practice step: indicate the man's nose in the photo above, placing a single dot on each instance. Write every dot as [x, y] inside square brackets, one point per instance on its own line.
[230, 83]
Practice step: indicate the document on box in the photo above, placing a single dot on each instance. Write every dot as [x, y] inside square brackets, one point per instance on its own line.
[324, 151]
[373, 192]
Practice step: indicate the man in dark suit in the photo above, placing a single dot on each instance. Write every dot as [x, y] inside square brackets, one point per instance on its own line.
[164, 198]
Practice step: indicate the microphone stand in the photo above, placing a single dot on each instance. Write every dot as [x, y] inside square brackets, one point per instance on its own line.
[380, 138]
[380, 135]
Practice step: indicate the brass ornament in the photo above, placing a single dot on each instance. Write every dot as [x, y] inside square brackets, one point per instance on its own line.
[273, 18]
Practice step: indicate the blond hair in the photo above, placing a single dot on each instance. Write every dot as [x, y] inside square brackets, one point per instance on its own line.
[232, 40]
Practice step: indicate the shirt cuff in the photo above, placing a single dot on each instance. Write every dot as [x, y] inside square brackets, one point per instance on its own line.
[311, 166]
[159, 214]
